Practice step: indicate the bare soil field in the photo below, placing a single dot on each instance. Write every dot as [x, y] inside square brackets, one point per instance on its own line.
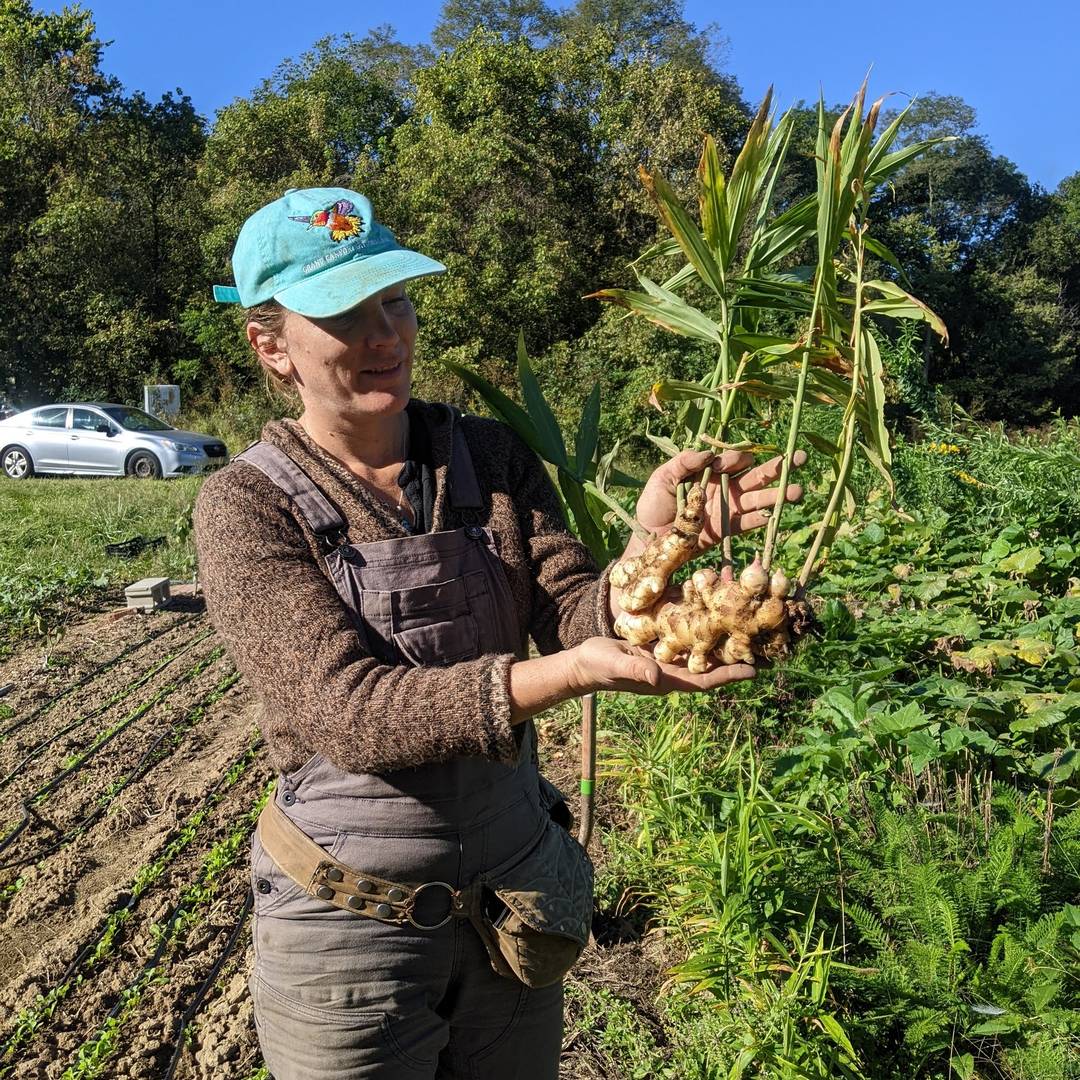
[131, 771]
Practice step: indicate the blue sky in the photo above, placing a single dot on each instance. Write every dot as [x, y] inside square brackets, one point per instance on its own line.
[1017, 64]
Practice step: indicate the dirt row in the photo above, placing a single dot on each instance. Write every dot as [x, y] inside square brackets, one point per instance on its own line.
[128, 750]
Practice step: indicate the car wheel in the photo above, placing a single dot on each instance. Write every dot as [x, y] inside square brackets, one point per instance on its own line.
[16, 463]
[144, 465]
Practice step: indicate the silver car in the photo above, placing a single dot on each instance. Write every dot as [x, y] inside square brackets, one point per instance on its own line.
[96, 439]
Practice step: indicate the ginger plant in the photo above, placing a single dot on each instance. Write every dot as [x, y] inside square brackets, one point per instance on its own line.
[737, 254]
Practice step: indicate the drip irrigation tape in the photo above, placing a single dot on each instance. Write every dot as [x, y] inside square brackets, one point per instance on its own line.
[93, 674]
[27, 804]
[196, 1002]
[133, 899]
[142, 680]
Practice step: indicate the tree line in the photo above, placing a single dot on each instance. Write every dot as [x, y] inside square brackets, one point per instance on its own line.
[508, 148]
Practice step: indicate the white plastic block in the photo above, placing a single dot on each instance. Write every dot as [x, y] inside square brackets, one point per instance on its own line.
[149, 593]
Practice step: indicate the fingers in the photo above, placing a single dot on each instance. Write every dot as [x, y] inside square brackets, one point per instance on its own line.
[732, 461]
[676, 677]
[675, 470]
[760, 499]
[635, 666]
[769, 471]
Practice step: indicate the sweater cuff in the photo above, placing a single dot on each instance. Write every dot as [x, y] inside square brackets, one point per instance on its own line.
[503, 747]
[605, 623]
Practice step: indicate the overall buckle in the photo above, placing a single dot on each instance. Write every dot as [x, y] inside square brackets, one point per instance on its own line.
[454, 904]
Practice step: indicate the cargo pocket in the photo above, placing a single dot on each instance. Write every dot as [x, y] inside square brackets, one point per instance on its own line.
[537, 911]
[440, 624]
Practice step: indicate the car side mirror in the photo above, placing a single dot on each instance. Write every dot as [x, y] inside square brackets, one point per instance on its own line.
[106, 429]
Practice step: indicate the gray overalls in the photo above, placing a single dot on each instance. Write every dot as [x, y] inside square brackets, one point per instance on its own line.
[344, 997]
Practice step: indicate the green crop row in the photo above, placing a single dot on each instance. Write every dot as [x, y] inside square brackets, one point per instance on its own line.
[92, 1056]
[30, 1020]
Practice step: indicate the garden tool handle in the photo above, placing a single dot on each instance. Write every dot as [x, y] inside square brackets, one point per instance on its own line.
[588, 767]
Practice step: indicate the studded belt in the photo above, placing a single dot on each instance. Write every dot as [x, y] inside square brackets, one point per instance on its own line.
[325, 878]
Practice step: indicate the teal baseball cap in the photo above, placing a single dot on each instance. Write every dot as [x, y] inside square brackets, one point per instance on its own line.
[318, 252]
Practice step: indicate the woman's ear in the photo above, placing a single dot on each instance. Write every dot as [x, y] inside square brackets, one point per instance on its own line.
[270, 348]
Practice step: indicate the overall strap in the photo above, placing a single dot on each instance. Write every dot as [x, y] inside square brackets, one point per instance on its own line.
[320, 513]
[464, 491]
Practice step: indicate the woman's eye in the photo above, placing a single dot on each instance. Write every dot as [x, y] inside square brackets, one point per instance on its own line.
[396, 302]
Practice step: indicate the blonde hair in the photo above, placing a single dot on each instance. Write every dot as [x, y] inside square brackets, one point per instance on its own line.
[271, 318]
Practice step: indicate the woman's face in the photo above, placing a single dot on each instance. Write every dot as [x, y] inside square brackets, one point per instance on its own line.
[359, 362]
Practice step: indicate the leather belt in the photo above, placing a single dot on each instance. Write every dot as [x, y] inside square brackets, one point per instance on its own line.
[323, 877]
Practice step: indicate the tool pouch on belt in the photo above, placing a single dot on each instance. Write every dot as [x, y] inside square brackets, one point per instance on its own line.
[536, 912]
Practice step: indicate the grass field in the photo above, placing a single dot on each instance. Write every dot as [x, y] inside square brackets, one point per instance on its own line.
[53, 534]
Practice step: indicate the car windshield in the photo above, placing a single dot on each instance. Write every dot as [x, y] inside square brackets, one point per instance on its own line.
[136, 419]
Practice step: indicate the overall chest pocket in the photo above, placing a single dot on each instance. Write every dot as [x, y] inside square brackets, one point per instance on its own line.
[442, 623]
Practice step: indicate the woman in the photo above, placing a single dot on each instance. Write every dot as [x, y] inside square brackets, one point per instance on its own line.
[376, 569]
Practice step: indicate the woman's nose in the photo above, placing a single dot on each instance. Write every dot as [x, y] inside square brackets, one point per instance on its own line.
[377, 329]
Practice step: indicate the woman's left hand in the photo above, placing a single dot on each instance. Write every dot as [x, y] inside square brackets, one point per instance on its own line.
[750, 499]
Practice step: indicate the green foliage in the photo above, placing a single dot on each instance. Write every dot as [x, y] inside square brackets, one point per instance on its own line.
[991, 480]
[872, 857]
[507, 214]
[52, 544]
[582, 472]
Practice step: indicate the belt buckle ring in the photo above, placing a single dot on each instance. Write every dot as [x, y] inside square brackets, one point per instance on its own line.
[450, 891]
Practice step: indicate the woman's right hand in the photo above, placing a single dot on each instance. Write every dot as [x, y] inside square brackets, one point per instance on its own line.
[601, 663]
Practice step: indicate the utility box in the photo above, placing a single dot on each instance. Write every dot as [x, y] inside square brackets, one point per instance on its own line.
[161, 401]
[150, 593]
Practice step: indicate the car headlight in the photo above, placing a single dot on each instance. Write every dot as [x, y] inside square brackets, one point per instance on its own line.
[184, 448]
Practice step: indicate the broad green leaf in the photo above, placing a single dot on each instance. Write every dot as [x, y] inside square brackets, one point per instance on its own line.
[922, 748]
[1001, 1026]
[836, 1032]
[769, 344]
[681, 390]
[785, 234]
[964, 1066]
[879, 169]
[1021, 562]
[664, 443]
[684, 230]
[588, 433]
[605, 467]
[712, 200]
[1057, 766]
[547, 427]
[616, 508]
[747, 174]
[621, 479]
[820, 443]
[898, 304]
[503, 407]
[876, 247]
[1033, 651]
[588, 530]
[873, 390]
[775, 155]
[672, 314]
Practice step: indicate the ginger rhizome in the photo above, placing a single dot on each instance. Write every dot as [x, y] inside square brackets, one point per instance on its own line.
[643, 578]
[717, 619]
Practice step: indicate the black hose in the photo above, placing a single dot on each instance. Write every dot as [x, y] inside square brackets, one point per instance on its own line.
[140, 681]
[93, 674]
[189, 1013]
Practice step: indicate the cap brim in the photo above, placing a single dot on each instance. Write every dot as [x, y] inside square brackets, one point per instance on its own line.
[341, 287]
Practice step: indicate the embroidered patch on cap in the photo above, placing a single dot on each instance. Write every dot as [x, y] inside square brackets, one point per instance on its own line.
[338, 219]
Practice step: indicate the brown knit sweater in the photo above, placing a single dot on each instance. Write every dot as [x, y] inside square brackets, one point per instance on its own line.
[291, 637]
